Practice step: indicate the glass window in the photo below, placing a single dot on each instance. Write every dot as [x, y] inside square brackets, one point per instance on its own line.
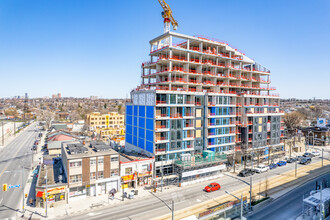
[128, 171]
[100, 174]
[180, 99]
[100, 160]
[114, 159]
[75, 178]
[92, 161]
[114, 172]
[93, 176]
[172, 99]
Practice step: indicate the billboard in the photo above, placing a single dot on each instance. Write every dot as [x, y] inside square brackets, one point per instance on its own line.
[321, 122]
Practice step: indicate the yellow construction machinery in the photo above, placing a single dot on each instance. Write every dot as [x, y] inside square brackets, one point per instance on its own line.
[168, 17]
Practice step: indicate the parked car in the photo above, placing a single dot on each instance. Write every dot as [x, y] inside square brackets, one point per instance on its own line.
[281, 163]
[212, 187]
[272, 166]
[246, 172]
[315, 153]
[308, 155]
[261, 169]
[291, 160]
[299, 158]
[305, 160]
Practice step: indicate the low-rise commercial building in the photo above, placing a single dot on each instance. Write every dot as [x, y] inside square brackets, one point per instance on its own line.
[110, 120]
[136, 170]
[51, 179]
[91, 169]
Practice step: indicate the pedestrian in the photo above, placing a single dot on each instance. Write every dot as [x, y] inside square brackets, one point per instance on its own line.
[31, 201]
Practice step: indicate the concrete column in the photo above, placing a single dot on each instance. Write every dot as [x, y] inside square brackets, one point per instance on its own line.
[188, 44]
[170, 41]
[201, 46]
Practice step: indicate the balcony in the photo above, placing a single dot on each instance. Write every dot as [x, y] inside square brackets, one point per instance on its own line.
[188, 114]
[159, 139]
[160, 150]
[158, 127]
[189, 125]
[159, 102]
[161, 115]
[175, 115]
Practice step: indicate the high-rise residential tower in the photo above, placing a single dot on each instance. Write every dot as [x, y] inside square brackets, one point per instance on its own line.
[201, 94]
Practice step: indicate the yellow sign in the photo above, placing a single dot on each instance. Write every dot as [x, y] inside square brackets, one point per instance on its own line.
[5, 187]
[87, 186]
[124, 186]
[56, 190]
[107, 120]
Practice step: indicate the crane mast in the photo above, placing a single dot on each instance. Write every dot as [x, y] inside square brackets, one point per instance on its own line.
[168, 17]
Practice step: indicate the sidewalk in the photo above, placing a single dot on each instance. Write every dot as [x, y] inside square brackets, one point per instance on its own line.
[9, 139]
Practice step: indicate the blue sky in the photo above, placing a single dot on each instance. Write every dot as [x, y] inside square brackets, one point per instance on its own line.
[96, 47]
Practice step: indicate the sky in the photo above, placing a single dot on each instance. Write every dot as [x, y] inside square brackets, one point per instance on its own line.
[81, 48]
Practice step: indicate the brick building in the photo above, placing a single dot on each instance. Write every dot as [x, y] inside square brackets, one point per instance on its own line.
[91, 170]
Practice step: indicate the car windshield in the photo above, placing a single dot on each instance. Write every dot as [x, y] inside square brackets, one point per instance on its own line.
[210, 185]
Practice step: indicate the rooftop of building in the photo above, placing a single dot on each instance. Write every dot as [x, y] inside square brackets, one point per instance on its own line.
[133, 156]
[315, 199]
[52, 168]
[78, 150]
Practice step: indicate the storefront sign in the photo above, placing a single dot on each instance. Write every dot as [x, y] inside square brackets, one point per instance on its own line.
[128, 178]
[148, 173]
[205, 170]
[56, 190]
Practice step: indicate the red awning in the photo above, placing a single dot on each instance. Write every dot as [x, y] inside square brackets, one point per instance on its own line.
[40, 194]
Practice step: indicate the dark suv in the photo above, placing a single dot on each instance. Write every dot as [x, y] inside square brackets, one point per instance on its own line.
[305, 160]
[247, 172]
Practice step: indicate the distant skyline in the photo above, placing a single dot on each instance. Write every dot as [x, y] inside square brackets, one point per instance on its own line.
[83, 48]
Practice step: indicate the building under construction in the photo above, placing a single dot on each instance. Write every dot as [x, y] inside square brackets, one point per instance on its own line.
[200, 94]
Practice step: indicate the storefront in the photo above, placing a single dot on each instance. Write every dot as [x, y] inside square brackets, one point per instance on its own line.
[129, 180]
[56, 196]
[145, 179]
[77, 192]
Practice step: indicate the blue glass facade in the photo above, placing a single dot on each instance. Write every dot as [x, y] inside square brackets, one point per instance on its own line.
[140, 126]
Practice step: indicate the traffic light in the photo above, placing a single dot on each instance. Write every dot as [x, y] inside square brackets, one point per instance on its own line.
[5, 187]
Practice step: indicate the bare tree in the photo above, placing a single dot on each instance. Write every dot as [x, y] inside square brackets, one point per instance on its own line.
[46, 116]
[292, 120]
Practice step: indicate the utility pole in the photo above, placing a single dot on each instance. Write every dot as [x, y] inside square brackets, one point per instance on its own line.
[3, 135]
[241, 205]
[295, 169]
[22, 189]
[14, 129]
[46, 194]
[162, 177]
[250, 191]
[172, 209]
[322, 156]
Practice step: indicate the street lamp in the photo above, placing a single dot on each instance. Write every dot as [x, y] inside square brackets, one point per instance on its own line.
[240, 199]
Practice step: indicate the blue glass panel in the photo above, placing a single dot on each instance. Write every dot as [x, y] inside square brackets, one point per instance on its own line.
[141, 133]
[142, 111]
[150, 136]
[129, 129]
[134, 140]
[150, 147]
[141, 143]
[142, 123]
[129, 120]
[135, 110]
[135, 121]
[150, 124]
[150, 112]
[129, 110]
[129, 138]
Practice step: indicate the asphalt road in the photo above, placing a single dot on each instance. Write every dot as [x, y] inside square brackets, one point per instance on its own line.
[153, 205]
[12, 157]
[288, 206]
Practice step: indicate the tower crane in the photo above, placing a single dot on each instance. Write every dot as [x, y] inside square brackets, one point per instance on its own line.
[168, 17]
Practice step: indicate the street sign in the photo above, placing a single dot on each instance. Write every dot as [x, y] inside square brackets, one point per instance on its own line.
[14, 186]
[4, 187]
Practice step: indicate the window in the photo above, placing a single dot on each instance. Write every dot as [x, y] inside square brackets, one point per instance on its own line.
[93, 176]
[172, 99]
[128, 170]
[75, 178]
[100, 175]
[180, 99]
[92, 161]
[75, 164]
[114, 172]
[144, 168]
[114, 159]
[100, 160]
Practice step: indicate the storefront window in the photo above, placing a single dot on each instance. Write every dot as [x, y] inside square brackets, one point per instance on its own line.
[128, 170]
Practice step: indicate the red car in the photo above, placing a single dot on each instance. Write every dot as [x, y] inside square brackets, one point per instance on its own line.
[212, 187]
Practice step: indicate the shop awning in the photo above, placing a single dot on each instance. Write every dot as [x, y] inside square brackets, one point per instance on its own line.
[40, 194]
